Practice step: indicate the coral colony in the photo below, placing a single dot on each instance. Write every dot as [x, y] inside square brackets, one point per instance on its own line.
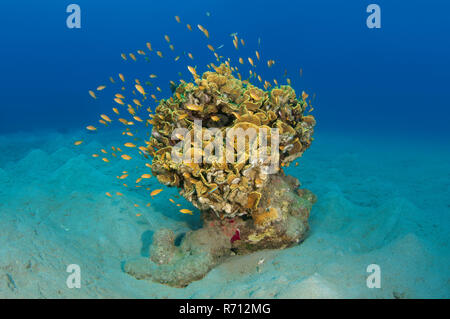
[223, 142]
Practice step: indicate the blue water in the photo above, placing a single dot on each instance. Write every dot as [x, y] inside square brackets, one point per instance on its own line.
[380, 162]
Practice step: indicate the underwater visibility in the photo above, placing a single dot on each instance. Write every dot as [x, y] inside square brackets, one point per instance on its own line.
[225, 149]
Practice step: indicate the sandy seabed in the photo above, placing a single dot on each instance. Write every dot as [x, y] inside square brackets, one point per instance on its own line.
[377, 204]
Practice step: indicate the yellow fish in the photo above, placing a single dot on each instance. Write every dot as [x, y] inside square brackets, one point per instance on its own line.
[205, 32]
[133, 56]
[166, 37]
[235, 43]
[123, 56]
[159, 53]
[152, 76]
[146, 176]
[189, 27]
[78, 143]
[122, 77]
[129, 145]
[91, 93]
[250, 60]
[210, 47]
[106, 118]
[194, 107]
[101, 87]
[108, 194]
[178, 19]
[126, 157]
[119, 101]
[149, 46]
[156, 192]
[115, 110]
[91, 128]
[304, 95]
[104, 159]
[186, 211]
[192, 70]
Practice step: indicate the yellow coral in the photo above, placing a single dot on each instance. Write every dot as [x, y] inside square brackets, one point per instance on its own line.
[222, 101]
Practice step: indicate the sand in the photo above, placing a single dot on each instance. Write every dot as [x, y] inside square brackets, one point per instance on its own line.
[378, 203]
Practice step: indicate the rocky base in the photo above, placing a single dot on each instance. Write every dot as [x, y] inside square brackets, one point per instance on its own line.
[280, 221]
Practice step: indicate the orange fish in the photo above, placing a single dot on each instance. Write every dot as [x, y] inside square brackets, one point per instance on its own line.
[156, 192]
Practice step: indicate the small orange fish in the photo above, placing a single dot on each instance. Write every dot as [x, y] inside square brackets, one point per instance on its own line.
[101, 87]
[186, 211]
[178, 19]
[126, 157]
[91, 128]
[108, 194]
[146, 176]
[129, 145]
[140, 89]
[78, 143]
[91, 93]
